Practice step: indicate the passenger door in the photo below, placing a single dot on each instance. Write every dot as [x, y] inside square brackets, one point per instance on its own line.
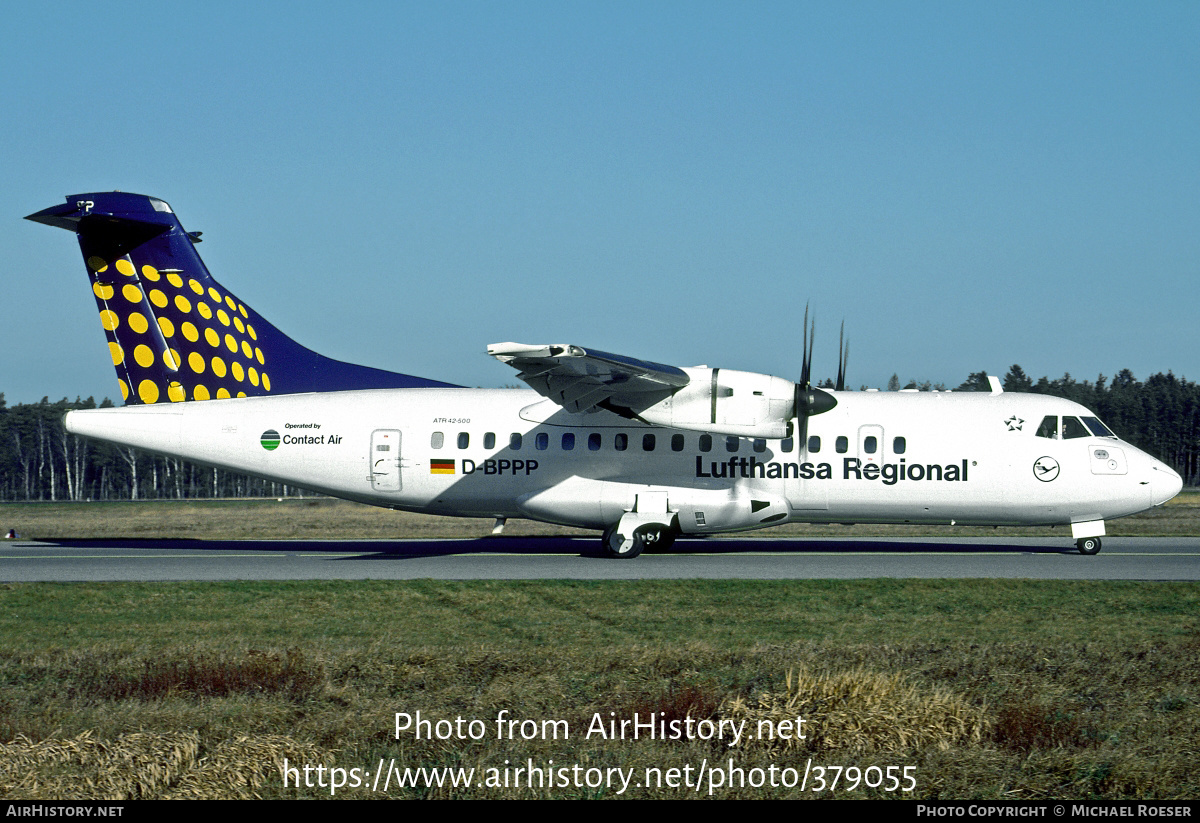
[385, 460]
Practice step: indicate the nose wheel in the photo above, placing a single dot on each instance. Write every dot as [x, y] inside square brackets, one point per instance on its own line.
[1088, 545]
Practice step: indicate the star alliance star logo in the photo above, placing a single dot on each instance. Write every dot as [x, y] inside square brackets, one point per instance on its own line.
[1014, 423]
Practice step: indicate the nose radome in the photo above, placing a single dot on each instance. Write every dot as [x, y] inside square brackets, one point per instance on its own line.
[1165, 483]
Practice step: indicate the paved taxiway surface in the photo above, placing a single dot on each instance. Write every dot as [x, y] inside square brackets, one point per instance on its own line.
[508, 558]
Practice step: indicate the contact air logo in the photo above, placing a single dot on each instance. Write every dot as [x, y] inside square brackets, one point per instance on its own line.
[269, 440]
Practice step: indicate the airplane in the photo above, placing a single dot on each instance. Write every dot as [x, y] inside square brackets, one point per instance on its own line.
[644, 452]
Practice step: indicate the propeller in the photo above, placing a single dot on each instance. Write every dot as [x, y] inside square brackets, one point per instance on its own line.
[810, 401]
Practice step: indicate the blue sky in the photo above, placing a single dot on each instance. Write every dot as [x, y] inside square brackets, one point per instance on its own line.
[967, 185]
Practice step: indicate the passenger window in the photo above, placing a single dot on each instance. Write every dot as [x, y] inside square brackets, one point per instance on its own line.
[514, 441]
[1072, 428]
[842, 445]
[898, 445]
[489, 440]
[677, 442]
[541, 442]
[1049, 427]
[731, 444]
[706, 442]
[464, 440]
[647, 442]
[760, 445]
[786, 445]
[437, 440]
[870, 444]
[594, 442]
[621, 442]
[568, 441]
[814, 444]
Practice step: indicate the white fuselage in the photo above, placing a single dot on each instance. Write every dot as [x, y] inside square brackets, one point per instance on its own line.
[876, 457]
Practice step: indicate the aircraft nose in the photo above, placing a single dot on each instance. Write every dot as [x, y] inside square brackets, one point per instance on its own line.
[1165, 483]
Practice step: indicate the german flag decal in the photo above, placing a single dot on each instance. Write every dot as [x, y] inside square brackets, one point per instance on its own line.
[441, 467]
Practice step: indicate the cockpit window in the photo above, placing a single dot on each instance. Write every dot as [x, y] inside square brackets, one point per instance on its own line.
[1098, 428]
[1072, 428]
[1049, 427]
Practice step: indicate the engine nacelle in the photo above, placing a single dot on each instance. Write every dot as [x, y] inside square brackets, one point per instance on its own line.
[598, 504]
[726, 401]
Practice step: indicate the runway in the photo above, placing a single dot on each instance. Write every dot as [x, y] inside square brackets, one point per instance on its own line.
[517, 558]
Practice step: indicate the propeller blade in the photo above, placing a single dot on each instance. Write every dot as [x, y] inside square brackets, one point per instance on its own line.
[806, 361]
[843, 359]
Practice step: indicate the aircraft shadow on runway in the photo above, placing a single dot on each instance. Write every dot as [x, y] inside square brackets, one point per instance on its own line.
[586, 547]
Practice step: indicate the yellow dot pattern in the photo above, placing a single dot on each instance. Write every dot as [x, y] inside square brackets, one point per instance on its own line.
[148, 391]
[165, 329]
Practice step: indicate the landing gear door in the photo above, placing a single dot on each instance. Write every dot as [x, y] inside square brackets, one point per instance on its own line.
[385, 460]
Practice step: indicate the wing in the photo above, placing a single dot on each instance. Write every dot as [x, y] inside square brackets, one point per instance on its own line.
[584, 380]
[718, 401]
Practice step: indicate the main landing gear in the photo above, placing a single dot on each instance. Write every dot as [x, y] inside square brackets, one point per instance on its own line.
[1088, 545]
[647, 537]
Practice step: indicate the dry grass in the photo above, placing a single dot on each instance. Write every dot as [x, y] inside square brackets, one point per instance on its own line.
[144, 765]
[861, 711]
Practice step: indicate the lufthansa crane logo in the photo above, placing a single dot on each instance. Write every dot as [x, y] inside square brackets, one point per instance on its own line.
[1045, 469]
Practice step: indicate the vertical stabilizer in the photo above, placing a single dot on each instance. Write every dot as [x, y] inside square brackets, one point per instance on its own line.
[174, 332]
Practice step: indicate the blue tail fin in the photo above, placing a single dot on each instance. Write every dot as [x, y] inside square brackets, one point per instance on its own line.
[175, 333]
